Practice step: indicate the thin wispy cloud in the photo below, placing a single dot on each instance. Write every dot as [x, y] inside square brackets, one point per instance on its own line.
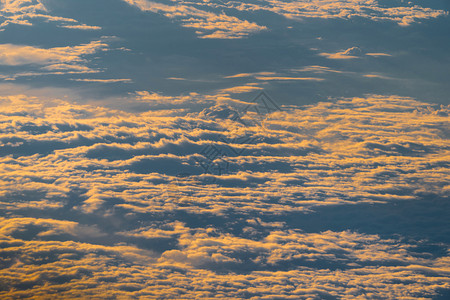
[273, 76]
[125, 80]
[210, 21]
[378, 54]
[26, 12]
[317, 69]
[15, 55]
[350, 53]
[377, 76]
[241, 75]
[60, 61]
[403, 14]
[241, 89]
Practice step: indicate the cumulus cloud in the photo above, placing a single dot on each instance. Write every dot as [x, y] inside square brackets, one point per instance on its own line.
[182, 203]
[207, 264]
[340, 150]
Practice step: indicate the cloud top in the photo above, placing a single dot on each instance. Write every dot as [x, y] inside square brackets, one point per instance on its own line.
[181, 203]
[210, 21]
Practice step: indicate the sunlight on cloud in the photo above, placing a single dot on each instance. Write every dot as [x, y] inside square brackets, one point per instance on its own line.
[337, 151]
[14, 55]
[125, 271]
[199, 14]
[404, 14]
[150, 164]
[24, 12]
[57, 60]
[107, 202]
[353, 52]
[125, 80]
[208, 24]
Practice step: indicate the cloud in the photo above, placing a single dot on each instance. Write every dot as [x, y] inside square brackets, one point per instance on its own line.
[207, 264]
[353, 52]
[378, 54]
[25, 12]
[343, 9]
[14, 55]
[193, 100]
[103, 80]
[241, 89]
[82, 27]
[188, 203]
[288, 78]
[377, 76]
[210, 20]
[317, 69]
[208, 25]
[350, 53]
[50, 61]
[241, 75]
[271, 76]
[342, 144]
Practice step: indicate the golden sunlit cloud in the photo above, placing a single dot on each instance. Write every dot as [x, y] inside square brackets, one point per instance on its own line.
[207, 24]
[103, 80]
[24, 12]
[206, 149]
[288, 78]
[102, 163]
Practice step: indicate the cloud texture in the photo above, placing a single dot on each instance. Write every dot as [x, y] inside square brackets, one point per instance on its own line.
[180, 203]
[211, 21]
[24, 12]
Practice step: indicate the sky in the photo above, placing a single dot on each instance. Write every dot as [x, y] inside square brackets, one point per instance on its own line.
[266, 149]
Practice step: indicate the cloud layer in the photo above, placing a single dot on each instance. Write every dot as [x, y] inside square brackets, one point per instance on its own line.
[178, 203]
